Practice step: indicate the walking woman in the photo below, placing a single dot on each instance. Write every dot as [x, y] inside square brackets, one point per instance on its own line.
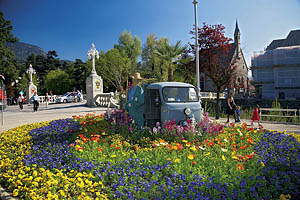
[231, 106]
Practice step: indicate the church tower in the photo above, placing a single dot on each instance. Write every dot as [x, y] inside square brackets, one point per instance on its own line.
[237, 38]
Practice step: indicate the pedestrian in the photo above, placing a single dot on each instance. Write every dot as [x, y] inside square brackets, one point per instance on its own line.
[231, 106]
[255, 116]
[21, 100]
[238, 113]
[47, 99]
[79, 96]
[36, 101]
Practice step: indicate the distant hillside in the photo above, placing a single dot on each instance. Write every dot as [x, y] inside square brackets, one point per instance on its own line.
[23, 50]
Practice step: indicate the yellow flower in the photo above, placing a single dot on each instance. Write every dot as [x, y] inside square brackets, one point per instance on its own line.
[185, 141]
[113, 156]
[193, 148]
[191, 156]
[223, 157]
[177, 160]
[15, 192]
[262, 164]
[207, 154]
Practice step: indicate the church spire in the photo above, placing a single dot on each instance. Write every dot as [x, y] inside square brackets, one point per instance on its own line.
[237, 34]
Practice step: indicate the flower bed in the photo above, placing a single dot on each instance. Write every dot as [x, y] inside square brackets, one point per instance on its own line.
[88, 157]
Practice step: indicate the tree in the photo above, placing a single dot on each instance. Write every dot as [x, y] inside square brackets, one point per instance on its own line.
[7, 57]
[58, 81]
[214, 59]
[113, 67]
[170, 55]
[130, 48]
[78, 73]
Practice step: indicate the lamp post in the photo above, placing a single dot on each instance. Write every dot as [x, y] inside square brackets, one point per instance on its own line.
[197, 48]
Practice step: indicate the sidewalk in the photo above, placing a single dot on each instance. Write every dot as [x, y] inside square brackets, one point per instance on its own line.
[13, 117]
[289, 128]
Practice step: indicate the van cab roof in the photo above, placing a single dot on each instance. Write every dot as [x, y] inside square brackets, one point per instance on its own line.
[160, 85]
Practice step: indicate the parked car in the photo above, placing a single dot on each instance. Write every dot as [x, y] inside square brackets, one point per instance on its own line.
[67, 97]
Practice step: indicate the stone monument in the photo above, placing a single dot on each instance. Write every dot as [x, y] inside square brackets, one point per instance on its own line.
[31, 89]
[94, 83]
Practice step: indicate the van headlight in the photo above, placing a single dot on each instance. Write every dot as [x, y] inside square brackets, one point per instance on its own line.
[187, 111]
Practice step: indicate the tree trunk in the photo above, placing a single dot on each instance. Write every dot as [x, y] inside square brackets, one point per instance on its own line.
[217, 104]
[170, 73]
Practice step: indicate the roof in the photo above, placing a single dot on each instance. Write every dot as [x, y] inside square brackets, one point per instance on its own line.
[275, 43]
[293, 39]
[168, 84]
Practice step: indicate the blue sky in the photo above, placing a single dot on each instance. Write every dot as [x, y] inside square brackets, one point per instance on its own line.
[70, 26]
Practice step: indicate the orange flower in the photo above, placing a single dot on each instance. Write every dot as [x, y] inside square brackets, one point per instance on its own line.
[242, 147]
[194, 163]
[240, 167]
[136, 148]
[233, 145]
[100, 149]
[112, 146]
[188, 144]
[168, 158]
[175, 147]
[210, 144]
[234, 149]
[250, 140]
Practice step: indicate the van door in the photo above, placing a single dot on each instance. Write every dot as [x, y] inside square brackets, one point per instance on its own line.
[153, 107]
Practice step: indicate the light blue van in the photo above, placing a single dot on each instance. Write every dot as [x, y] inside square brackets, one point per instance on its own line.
[168, 101]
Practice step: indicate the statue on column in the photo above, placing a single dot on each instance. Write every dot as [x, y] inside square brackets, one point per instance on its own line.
[31, 89]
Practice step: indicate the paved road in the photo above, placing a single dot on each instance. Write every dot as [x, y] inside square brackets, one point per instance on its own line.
[13, 117]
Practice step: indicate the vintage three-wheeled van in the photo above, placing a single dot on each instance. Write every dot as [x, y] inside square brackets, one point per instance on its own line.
[168, 101]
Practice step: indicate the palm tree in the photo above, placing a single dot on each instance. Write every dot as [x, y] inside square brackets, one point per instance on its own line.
[170, 55]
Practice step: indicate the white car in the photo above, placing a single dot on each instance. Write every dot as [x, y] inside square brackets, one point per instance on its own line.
[67, 97]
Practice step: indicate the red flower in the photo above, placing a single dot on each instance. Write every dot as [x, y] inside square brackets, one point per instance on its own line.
[239, 167]
[136, 148]
[117, 148]
[194, 163]
[242, 147]
[103, 140]
[111, 146]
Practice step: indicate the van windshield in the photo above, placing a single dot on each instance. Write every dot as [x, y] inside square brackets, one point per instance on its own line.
[180, 94]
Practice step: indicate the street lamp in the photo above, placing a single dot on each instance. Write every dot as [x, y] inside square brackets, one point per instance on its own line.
[197, 47]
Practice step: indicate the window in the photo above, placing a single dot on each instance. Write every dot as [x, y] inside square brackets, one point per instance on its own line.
[180, 94]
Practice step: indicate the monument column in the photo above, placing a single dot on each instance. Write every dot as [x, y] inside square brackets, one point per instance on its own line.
[31, 89]
[94, 83]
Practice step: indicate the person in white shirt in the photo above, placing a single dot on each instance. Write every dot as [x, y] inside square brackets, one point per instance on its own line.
[36, 101]
[21, 101]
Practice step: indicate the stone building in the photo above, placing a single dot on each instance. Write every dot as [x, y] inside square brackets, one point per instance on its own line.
[241, 85]
[276, 70]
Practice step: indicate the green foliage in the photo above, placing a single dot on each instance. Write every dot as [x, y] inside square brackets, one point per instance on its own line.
[129, 47]
[113, 68]
[78, 71]
[7, 58]
[170, 55]
[58, 81]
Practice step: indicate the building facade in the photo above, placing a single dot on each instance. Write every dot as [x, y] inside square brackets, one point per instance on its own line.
[276, 70]
[241, 85]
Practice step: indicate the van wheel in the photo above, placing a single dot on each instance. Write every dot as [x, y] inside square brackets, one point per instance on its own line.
[65, 101]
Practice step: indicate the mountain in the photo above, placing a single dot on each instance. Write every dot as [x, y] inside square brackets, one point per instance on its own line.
[23, 50]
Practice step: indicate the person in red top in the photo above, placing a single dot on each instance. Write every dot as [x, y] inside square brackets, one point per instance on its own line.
[255, 116]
